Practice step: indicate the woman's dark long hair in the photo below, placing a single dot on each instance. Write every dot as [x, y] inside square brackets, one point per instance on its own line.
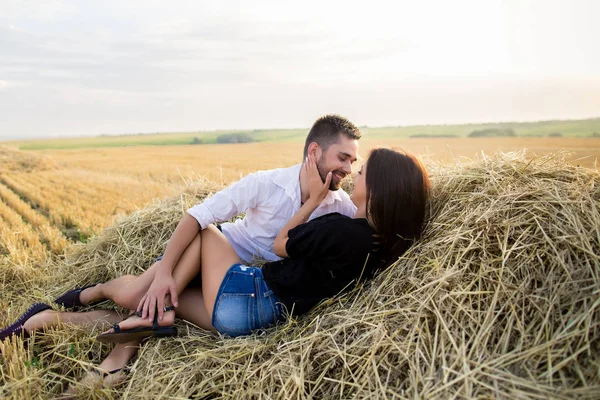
[397, 194]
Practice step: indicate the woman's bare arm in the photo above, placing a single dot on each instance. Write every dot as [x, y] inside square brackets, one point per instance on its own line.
[299, 218]
[163, 283]
[318, 191]
[186, 230]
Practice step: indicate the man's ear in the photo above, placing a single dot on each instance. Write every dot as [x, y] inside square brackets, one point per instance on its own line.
[314, 149]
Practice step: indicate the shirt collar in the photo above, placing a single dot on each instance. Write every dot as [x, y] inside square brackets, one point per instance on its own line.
[290, 182]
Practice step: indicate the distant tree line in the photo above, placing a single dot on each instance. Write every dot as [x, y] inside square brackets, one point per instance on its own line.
[228, 138]
[235, 138]
[425, 135]
[493, 132]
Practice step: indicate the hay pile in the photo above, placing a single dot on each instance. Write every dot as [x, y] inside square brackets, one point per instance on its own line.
[500, 299]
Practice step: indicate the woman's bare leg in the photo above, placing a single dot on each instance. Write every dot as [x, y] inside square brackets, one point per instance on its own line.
[50, 318]
[217, 256]
[185, 270]
[119, 356]
[116, 360]
[191, 308]
[106, 290]
[121, 290]
[127, 290]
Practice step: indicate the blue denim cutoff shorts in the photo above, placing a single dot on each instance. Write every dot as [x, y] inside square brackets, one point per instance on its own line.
[245, 303]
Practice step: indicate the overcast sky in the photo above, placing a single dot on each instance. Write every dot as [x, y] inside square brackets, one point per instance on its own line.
[91, 67]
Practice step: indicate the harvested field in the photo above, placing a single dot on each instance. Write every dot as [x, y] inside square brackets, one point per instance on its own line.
[77, 193]
[499, 299]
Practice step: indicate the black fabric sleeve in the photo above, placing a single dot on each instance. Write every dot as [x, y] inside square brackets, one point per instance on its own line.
[303, 240]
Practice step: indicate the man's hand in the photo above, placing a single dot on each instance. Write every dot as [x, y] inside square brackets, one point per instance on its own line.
[316, 188]
[154, 299]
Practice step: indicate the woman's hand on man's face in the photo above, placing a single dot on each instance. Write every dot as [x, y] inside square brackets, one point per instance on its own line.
[316, 188]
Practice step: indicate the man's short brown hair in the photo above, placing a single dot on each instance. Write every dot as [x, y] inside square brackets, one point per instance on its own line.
[327, 129]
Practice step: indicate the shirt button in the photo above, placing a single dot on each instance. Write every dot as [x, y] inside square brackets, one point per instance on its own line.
[252, 295]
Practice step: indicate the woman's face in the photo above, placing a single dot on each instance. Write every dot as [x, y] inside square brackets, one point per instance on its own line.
[359, 194]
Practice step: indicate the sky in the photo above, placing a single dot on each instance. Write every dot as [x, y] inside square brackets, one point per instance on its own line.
[70, 68]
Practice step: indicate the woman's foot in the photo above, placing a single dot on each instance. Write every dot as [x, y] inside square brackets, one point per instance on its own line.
[135, 321]
[111, 372]
[34, 318]
[136, 328]
[94, 379]
[44, 319]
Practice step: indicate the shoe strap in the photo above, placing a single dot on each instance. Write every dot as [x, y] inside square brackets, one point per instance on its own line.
[105, 374]
[155, 321]
[165, 309]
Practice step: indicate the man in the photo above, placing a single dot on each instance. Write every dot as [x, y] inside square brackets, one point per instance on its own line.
[271, 198]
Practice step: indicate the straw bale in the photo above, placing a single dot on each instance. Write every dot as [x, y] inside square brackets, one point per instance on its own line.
[499, 299]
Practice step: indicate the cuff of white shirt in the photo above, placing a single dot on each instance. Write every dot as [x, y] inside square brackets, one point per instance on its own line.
[202, 214]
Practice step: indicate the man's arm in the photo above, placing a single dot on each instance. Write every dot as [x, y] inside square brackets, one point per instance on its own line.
[229, 202]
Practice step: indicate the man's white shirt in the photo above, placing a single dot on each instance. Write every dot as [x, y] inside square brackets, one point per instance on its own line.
[269, 199]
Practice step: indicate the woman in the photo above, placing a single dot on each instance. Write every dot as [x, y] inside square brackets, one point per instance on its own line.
[320, 259]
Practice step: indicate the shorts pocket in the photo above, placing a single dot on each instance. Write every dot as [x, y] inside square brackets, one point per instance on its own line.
[234, 313]
[267, 313]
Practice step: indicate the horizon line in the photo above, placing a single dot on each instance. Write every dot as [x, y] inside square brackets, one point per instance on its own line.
[293, 128]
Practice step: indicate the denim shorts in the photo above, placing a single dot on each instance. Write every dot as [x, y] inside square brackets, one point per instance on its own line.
[245, 303]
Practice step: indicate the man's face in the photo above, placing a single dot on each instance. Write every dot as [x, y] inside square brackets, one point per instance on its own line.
[338, 159]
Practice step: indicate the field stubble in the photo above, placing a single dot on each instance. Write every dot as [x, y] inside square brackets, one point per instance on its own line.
[226, 163]
[69, 195]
